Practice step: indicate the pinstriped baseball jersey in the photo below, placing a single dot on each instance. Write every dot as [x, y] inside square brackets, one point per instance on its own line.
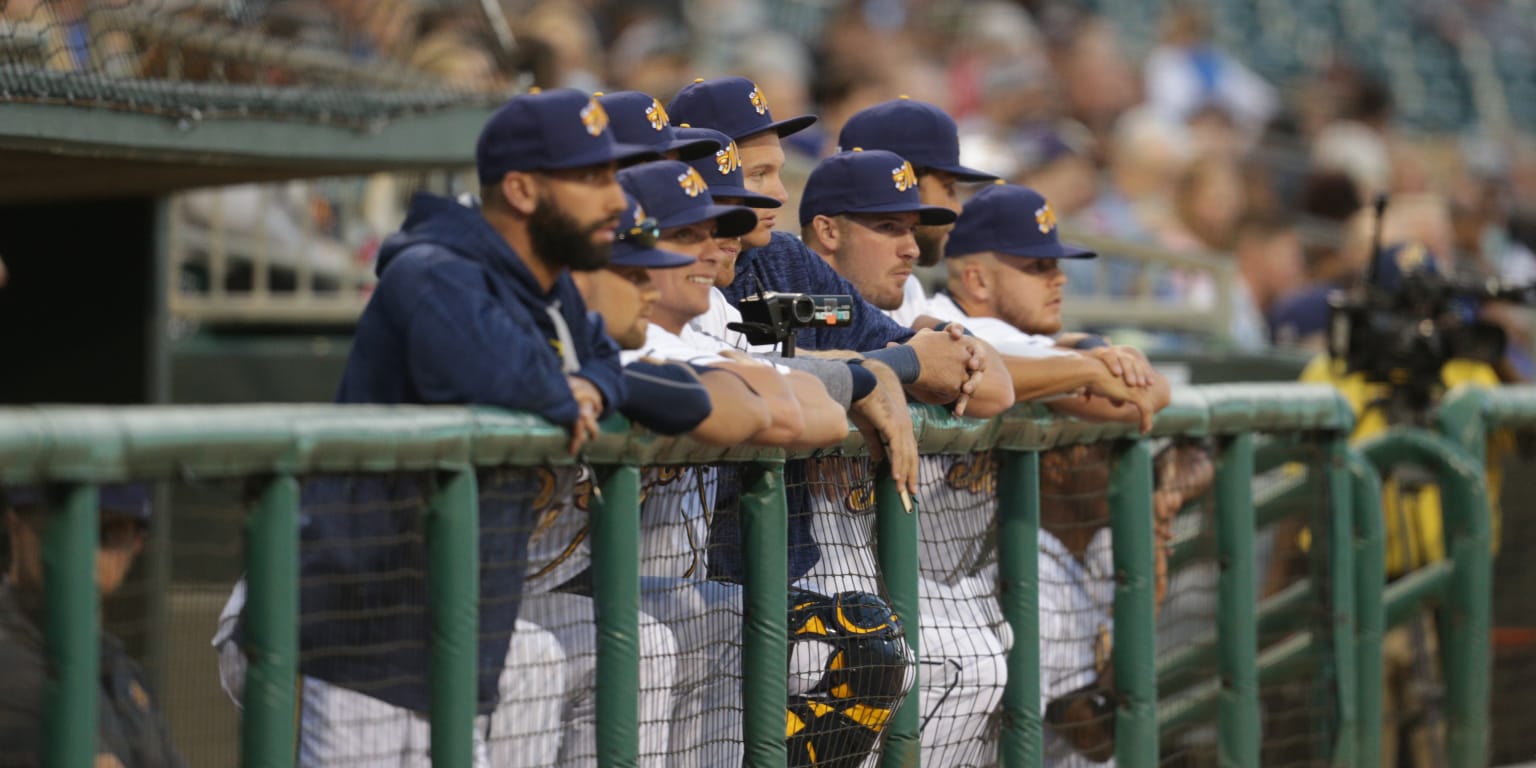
[559, 549]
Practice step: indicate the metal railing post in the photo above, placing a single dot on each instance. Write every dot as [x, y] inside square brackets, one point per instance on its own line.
[1370, 582]
[1236, 614]
[1466, 616]
[616, 605]
[1135, 637]
[896, 537]
[1336, 558]
[268, 729]
[453, 583]
[1018, 556]
[71, 631]
[765, 625]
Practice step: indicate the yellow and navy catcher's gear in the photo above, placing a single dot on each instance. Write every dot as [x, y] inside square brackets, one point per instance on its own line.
[864, 677]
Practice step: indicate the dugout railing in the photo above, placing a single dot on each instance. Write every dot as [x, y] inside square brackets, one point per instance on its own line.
[1251, 427]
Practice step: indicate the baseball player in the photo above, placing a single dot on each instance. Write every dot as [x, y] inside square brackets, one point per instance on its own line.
[837, 639]
[471, 307]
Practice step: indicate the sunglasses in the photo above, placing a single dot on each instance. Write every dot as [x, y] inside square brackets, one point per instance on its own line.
[646, 233]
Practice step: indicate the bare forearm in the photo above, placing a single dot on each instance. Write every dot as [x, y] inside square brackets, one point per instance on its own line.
[736, 414]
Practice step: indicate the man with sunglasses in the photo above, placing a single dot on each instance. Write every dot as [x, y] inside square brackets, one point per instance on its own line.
[130, 728]
[679, 546]
[668, 398]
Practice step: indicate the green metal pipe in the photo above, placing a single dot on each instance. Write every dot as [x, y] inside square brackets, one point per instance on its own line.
[616, 607]
[1018, 556]
[1294, 495]
[1135, 639]
[896, 539]
[1278, 613]
[1425, 586]
[765, 628]
[71, 628]
[1339, 562]
[1286, 660]
[1236, 619]
[1465, 617]
[453, 581]
[1370, 570]
[268, 726]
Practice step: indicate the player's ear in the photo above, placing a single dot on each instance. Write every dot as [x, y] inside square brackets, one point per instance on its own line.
[828, 233]
[978, 279]
[521, 191]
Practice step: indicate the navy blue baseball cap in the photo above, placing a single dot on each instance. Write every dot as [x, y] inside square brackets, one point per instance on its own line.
[1011, 220]
[636, 243]
[677, 196]
[549, 131]
[874, 181]
[127, 499]
[1401, 259]
[918, 131]
[638, 118]
[722, 170]
[735, 106]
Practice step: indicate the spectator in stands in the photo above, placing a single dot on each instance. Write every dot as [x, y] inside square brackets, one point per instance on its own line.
[1270, 267]
[1187, 72]
[571, 34]
[130, 729]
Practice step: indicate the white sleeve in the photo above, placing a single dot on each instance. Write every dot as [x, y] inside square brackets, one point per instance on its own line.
[914, 303]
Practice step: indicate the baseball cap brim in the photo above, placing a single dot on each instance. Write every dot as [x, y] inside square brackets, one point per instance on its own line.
[689, 150]
[1049, 251]
[730, 220]
[747, 198]
[927, 215]
[604, 155]
[626, 255]
[965, 174]
[785, 127]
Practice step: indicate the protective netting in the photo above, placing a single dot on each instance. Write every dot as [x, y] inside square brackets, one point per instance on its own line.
[849, 664]
[341, 62]
[1077, 584]
[695, 710]
[1514, 620]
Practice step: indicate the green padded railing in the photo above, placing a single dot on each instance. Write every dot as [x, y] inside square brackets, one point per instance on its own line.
[76, 448]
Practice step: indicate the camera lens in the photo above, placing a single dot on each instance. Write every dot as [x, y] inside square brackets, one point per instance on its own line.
[803, 310]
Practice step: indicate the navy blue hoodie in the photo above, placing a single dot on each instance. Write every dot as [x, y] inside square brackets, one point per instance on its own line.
[456, 319]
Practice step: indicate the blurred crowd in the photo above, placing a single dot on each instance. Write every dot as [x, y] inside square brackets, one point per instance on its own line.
[1162, 138]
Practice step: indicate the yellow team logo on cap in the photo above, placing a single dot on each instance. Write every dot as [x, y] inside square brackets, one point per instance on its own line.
[594, 118]
[728, 159]
[759, 101]
[1045, 218]
[904, 177]
[1411, 257]
[657, 114]
[692, 182]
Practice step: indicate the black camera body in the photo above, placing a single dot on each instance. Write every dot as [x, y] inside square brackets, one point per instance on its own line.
[774, 318]
[1404, 337]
